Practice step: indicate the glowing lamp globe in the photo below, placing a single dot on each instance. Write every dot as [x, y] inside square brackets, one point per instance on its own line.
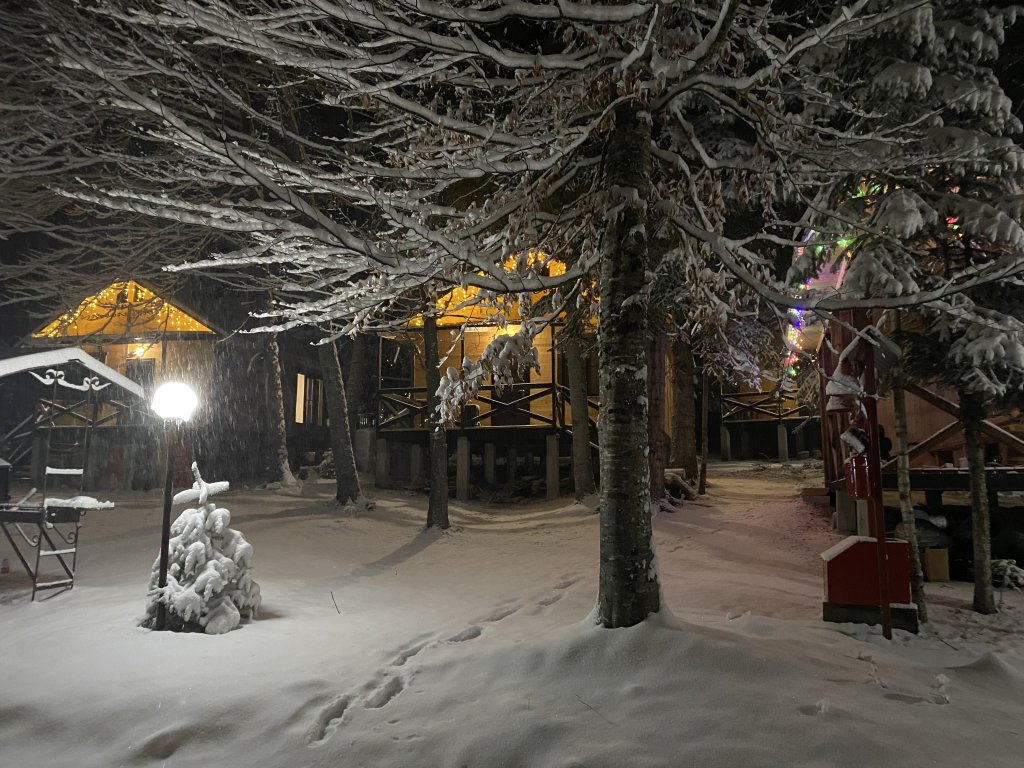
[174, 401]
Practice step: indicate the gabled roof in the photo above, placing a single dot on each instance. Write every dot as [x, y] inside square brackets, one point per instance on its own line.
[123, 309]
[58, 357]
[463, 306]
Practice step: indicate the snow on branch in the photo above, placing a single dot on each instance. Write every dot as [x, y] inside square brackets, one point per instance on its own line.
[506, 359]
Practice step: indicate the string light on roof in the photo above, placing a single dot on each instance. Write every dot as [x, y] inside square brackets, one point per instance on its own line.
[123, 307]
[464, 305]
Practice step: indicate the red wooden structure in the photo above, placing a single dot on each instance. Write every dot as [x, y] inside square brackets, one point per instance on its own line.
[869, 573]
[851, 575]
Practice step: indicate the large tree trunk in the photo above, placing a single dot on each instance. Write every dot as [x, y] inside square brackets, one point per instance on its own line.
[582, 462]
[899, 401]
[656, 454]
[346, 477]
[628, 587]
[279, 469]
[437, 506]
[357, 382]
[972, 405]
[684, 410]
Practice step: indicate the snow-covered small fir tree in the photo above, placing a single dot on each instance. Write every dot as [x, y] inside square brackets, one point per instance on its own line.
[209, 576]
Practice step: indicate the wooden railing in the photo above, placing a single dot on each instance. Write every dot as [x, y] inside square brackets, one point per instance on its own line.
[406, 408]
[738, 406]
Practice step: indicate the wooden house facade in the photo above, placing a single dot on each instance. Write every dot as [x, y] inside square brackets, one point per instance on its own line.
[134, 329]
[935, 434]
[517, 435]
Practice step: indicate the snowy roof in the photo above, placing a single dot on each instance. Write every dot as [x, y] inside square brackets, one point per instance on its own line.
[123, 308]
[57, 357]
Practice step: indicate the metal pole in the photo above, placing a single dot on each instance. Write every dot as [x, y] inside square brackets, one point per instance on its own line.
[92, 398]
[170, 433]
[876, 511]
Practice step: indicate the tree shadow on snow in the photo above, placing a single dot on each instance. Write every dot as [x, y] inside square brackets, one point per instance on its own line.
[389, 562]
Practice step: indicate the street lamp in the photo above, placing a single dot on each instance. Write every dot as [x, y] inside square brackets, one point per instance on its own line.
[173, 402]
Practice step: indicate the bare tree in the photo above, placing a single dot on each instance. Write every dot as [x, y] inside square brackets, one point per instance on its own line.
[448, 140]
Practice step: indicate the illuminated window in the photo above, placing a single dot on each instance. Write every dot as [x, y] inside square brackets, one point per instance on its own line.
[300, 399]
[309, 400]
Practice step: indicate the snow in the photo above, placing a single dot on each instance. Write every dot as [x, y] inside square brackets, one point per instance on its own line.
[209, 579]
[58, 357]
[199, 494]
[78, 502]
[837, 549]
[380, 644]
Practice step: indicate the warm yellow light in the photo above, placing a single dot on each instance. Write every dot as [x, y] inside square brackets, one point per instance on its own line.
[536, 259]
[144, 312]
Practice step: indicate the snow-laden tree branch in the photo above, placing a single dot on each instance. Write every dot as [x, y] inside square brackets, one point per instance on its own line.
[439, 141]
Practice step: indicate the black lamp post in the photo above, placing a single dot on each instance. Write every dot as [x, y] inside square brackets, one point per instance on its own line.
[173, 402]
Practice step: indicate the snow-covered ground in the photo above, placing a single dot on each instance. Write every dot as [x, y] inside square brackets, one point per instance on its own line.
[383, 646]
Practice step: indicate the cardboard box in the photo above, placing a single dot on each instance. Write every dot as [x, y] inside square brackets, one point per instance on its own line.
[935, 562]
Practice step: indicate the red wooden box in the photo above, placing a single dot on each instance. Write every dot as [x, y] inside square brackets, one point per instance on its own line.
[851, 571]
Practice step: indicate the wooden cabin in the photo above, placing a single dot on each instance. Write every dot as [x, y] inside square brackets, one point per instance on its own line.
[139, 332]
[517, 437]
[772, 422]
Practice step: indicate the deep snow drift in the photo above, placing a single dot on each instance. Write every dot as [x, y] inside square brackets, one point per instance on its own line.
[380, 645]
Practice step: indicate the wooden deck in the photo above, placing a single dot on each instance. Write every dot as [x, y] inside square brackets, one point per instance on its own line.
[934, 481]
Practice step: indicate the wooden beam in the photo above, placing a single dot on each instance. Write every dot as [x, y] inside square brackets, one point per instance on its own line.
[987, 427]
[935, 439]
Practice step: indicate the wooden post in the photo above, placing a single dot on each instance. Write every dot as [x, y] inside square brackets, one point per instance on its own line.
[462, 464]
[725, 454]
[415, 464]
[551, 459]
[876, 512]
[490, 460]
[383, 474]
[782, 436]
[556, 418]
[846, 513]
[512, 462]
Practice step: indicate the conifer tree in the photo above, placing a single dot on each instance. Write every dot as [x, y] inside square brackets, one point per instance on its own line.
[209, 581]
[452, 137]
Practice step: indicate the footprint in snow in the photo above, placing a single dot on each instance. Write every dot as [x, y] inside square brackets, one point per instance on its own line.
[162, 745]
[469, 633]
[567, 581]
[406, 652]
[328, 720]
[818, 708]
[939, 699]
[503, 612]
[385, 693]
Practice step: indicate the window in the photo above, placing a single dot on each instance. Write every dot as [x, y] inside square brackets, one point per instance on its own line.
[309, 400]
[141, 370]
